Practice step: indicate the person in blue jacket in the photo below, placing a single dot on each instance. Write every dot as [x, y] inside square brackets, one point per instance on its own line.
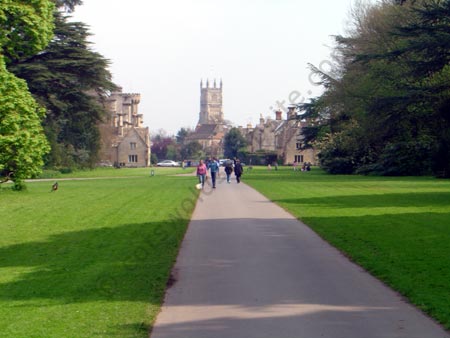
[213, 166]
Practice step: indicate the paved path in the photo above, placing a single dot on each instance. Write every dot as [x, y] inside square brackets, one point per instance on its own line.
[248, 269]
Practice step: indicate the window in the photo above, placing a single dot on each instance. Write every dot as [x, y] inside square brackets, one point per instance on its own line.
[299, 158]
[299, 145]
[132, 158]
[132, 145]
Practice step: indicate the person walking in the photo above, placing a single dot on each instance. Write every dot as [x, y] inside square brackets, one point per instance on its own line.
[228, 169]
[238, 170]
[201, 173]
[214, 168]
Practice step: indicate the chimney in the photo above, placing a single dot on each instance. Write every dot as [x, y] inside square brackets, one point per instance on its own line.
[278, 115]
[291, 115]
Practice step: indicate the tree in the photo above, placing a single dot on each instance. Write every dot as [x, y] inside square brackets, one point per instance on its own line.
[385, 109]
[192, 150]
[426, 50]
[22, 141]
[68, 5]
[25, 28]
[182, 134]
[234, 142]
[71, 81]
[163, 146]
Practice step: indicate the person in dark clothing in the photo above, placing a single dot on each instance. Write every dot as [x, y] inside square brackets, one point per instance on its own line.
[238, 170]
[228, 169]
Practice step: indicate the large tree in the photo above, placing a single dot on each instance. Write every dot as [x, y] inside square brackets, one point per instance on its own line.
[164, 146]
[70, 80]
[191, 150]
[384, 109]
[25, 28]
[234, 142]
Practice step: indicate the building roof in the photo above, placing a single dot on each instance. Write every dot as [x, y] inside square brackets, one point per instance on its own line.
[205, 131]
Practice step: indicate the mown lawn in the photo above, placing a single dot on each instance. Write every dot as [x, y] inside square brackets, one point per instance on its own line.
[91, 259]
[113, 172]
[398, 228]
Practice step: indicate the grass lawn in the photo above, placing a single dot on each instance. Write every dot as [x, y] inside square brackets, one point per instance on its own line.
[113, 172]
[398, 228]
[91, 259]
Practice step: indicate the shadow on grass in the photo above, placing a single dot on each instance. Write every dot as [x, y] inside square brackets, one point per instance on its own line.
[130, 262]
[411, 200]
[138, 330]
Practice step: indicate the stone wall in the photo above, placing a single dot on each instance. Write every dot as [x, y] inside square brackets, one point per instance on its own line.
[125, 142]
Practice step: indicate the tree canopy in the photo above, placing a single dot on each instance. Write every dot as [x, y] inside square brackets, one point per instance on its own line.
[25, 28]
[385, 105]
[70, 80]
[234, 142]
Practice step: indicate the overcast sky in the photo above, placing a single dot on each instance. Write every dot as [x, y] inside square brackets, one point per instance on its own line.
[259, 48]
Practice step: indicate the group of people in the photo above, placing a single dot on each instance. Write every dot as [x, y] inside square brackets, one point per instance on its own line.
[214, 167]
[305, 167]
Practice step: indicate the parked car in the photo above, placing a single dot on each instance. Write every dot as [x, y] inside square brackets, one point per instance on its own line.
[222, 161]
[192, 163]
[168, 163]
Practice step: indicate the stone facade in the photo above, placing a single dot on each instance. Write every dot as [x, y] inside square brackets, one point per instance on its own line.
[211, 108]
[125, 142]
[279, 136]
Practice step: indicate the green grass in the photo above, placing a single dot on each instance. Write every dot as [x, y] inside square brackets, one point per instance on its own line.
[398, 228]
[113, 172]
[91, 259]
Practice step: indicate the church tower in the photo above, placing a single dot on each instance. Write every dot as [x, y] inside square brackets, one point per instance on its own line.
[211, 111]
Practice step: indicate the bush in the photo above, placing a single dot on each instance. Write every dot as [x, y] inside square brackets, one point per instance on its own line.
[65, 170]
[48, 173]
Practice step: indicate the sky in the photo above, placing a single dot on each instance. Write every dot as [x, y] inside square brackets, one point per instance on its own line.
[259, 48]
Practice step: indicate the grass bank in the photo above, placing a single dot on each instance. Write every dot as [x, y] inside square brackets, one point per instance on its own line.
[398, 228]
[91, 259]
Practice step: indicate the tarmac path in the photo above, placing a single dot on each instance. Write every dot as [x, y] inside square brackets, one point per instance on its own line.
[249, 269]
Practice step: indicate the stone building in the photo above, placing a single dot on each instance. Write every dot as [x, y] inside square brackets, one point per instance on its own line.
[276, 136]
[279, 136]
[125, 142]
[211, 127]
[211, 108]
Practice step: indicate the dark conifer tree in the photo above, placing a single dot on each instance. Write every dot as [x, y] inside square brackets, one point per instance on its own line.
[70, 81]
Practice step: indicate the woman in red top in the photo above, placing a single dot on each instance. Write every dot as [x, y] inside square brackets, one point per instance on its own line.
[201, 172]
